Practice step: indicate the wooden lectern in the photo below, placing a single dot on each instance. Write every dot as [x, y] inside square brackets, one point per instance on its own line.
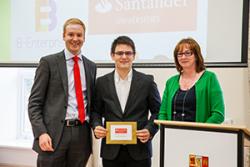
[188, 144]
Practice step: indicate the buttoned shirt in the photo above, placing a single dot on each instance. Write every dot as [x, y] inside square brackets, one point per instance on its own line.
[72, 109]
[122, 88]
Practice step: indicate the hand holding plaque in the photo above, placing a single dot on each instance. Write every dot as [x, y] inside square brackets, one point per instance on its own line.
[121, 133]
[143, 135]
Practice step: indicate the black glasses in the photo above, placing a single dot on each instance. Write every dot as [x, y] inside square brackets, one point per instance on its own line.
[127, 53]
[186, 53]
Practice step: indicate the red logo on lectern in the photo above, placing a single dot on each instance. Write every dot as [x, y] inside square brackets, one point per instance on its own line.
[198, 161]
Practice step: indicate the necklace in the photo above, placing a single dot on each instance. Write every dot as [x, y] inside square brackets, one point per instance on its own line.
[186, 84]
[183, 105]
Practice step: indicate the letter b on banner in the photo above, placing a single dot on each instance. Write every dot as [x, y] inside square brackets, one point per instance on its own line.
[45, 12]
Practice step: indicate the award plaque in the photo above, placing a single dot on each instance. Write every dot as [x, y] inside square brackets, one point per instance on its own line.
[121, 133]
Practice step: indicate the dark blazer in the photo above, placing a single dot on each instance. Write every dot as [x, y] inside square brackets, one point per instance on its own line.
[49, 97]
[143, 97]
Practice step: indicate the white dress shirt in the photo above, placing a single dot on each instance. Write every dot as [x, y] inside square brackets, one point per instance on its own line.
[122, 88]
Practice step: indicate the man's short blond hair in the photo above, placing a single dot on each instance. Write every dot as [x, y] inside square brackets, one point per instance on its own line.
[73, 21]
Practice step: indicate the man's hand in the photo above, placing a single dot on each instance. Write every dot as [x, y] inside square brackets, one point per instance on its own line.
[143, 135]
[100, 132]
[45, 142]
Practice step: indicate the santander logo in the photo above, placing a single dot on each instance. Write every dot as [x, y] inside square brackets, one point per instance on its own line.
[103, 6]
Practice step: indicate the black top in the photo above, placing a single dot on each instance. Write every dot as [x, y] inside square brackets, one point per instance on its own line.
[184, 105]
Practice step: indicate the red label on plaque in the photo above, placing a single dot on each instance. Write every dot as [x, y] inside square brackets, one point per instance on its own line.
[121, 130]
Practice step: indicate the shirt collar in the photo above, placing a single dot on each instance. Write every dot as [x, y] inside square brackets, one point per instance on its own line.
[69, 55]
[128, 78]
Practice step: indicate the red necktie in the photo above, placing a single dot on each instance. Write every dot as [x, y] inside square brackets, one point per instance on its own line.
[78, 89]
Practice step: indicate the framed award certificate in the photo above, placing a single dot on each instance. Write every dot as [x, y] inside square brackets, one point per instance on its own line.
[121, 133]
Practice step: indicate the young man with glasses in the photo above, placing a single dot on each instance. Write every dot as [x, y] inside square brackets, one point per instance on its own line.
[126, 95]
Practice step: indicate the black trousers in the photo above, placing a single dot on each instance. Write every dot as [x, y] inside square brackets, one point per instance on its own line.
[125, 160]
[73, 150]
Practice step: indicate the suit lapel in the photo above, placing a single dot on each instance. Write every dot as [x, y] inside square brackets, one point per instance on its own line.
[87, 76]
[63, 71]
[113, 94]
[135, 86]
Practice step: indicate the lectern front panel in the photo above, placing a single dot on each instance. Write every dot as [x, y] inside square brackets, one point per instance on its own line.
[185, 147]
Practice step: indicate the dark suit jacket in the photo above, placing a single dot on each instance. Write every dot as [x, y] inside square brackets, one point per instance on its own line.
[143, 97]
[49, 96]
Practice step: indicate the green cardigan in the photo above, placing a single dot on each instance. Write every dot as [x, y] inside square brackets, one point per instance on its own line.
[209, 99]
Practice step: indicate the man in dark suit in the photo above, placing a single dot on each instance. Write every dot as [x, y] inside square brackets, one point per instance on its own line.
[58, 114]
[126, 95]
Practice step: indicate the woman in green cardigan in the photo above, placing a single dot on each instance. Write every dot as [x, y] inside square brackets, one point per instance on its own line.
[194, 94]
